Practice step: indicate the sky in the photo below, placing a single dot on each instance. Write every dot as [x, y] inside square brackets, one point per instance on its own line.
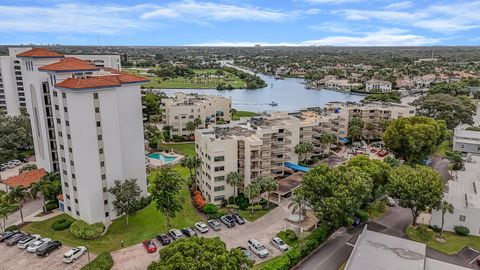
[241, 22]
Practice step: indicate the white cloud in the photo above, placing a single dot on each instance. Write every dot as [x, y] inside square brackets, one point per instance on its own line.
[332, 28]
[385, 37]
[336, 2]
[69, 18]
[400, 5]
[191, 9]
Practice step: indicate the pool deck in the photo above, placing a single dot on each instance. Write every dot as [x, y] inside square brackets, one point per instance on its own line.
[153, 162]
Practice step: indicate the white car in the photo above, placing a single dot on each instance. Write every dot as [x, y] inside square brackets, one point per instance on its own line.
[10, 165]
[201, 227]
[37, 244]
[16, 162]
[390, 201]
[74, 254]
[279, 243]
[257, 248]
[23, 244]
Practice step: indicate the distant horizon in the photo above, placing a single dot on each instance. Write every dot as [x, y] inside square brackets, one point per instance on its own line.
[219, 46]
[241, 23]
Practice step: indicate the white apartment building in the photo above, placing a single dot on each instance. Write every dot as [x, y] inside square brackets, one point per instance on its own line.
[378, 86]
[463, 193]
[87, 124]
[255, 147]
[466, 141]
[184, 108]
[12, 91]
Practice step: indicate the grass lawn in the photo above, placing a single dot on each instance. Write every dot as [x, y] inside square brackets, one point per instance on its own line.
[147, 223]
[453, 244]
[238, 114]
[186, 149]
[255, 215]
[195, 82]
[377, 209]
[443, 148]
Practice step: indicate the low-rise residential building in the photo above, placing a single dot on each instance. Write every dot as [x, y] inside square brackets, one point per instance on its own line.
[378, 251]
[463, 193]
[184, 108]
[378, 86]
[255, 147]
[25, 179]
[466, 141]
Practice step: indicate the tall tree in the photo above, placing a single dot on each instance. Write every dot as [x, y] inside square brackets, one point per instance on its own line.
[15, 136]
[165, 190]
[190, 126]
[326, 140]
[191, 162]
[303, 149]
[337, 193]
[251, 191]
[355, 127]
[376, 169]
[5, 210]
[297, 204]
[453, 110]
[456, 160]
[18, 195]
[269, 184]
[27, 168]
[415, 138]
[127, 197]
[201, 253]
[418, 188]
[234, 179]
[369, 127]
[444, 207]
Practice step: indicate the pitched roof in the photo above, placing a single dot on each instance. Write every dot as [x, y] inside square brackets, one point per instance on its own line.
[25, 179]
[69, 64]
[40, 53]
[101, 81]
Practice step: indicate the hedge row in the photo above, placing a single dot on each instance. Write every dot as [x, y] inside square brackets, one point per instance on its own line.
[298, 252]
[61, 224]
[83, 230]
[103, 261]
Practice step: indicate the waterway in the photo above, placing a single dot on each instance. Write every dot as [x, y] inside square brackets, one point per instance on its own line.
[289, 93]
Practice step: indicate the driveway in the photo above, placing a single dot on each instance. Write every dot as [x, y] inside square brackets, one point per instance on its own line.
[136, 257]
[13, 258]
[28, 209]
[441, 165]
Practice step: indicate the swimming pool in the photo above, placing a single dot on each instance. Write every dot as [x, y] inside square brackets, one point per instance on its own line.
[164, 158]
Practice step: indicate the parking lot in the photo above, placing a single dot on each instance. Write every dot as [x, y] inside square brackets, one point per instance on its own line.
[263, 229]
[13, 258]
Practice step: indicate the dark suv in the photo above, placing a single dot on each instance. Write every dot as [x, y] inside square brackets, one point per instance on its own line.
[228, 221]
[164, 239]
[15, 239]
[7, 235]
[238, 218]
[45, 250]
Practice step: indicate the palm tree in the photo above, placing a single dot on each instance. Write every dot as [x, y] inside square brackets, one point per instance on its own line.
[355, 128]
[269, 185]
[303, 149]
[5, 209]
[18, 195]
[191, 162]
[370, 127]
[251, 191]
[327, 139]
[444, 207]
[190, 126]
[298, 205]
[456, 161]
[197, 122]
[234, 179]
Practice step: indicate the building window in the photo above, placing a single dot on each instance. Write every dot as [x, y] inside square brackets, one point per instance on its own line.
[105, 202]
[220, 158]
[69, 137]
[56, 107]
[219, 188]
[218, 198]
[73, 175]
[58, 121]
[64, 172]
[104, 177]
[95, 95]
[61, 146]
[104, 189]
[74, 188]
[107, 214]
[78, 213]
[219, 178]
[462, 218]
[99, 137]
[219, 169]
[67, 196]
[54, 93]
[67, 123]
[97, 110]
[65, 109]
[69, 208]
[64, 95]
[70, 150]
[65, 184]
[98, 123]
[102, 164]
[100, 151]
[76, 201]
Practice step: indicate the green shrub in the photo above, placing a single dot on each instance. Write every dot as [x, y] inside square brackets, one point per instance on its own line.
[61, 224]
[362, 215]
[424, 233]
[83, 230]
[144, 202]
[51, 206]
[255, 208]
[210, 209]
[462, 230]
[232, 206]
[289, 236]
[435, 228]
[240, 200]
[12, 228]
[103, 261]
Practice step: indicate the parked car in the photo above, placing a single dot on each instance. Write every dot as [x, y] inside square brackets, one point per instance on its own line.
[3, 167]
[23, 244]
[279, 243]
[390, 201]
[164, 239]
[248, 253]
[356, 221]
[201, 227]
[10, 165]
[257, 248]
[228, 221]
[150, 246]
[24, 160]
[48, 248]
[73, 254]
[12, 241]
[382, 153]
[7, 235]
[214, 224]
[16, 162]
[238, 219]
[176, 234]
[32, 247]
[189, 232]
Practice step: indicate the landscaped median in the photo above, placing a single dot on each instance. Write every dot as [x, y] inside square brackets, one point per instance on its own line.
[145, 224]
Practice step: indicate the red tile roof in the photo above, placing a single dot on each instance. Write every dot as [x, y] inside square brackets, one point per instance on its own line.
[40, 53]
[115, 80]
[69, 64]
[25, 179]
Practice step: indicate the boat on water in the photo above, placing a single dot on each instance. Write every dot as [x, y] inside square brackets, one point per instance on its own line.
[273, 103]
